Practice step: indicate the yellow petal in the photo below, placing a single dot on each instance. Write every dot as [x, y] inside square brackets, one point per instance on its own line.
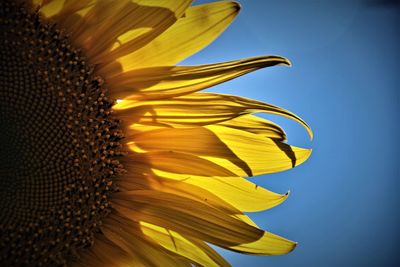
[256, 125]
[197, 179]
[156, 21]
[141, 177]
[243, 153]
[129, 26]
[268, 244]
[240, 193]
[179, 163]
[198, 28]
[246, 123]
[128, 237]
[197, 109]
[59, 10]
[199, 221]
[185, 216]
[246, 219]
[164, 82]
[175, 242]
[50, 8]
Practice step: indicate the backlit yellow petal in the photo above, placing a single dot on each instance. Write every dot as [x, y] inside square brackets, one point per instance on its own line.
[246, 219]
[261, 155]
[257, 125]
[186, 216]
[179, 163]
[58, 10]
[175, 242]
[134, 26]
[52, 8]
[128, 236]
[192, 218]
[210, 182]
[245, 154]
[197, 109]
[238, 192]
[198, 28]
[164, 82]
[268, 244]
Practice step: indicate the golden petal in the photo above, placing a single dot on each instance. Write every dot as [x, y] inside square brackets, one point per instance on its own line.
[118, 28]
[128, 236]
[231, 193]
[236, 191]
[198, 28]
[169, 81]
[186, 216]
[197, 252]
[253, 124]
[197, 220]
[197, 109]
[243, 153]
[268, 244]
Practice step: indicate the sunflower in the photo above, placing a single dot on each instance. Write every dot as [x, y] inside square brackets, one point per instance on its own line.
[110, 155]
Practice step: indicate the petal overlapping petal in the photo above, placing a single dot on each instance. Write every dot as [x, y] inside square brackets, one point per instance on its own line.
[170, 81]
[243, 153]
[180, 172]
[198, 220]
[197, 109]
[198, 28]
[196, 251]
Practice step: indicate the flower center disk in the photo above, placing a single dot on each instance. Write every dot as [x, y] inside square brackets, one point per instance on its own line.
[59, 143]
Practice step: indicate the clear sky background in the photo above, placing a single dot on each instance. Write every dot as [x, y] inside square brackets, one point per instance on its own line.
[344, 203]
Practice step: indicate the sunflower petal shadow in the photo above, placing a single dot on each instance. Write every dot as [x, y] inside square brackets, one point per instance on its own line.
[287, 150]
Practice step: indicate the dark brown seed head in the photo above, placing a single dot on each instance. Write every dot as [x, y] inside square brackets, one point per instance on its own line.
[59, 143]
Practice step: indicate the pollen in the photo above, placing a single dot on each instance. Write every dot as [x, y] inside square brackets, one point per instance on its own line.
[60, 143]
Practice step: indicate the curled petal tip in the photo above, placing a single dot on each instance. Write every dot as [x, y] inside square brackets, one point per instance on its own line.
[237, 5]
[288, 63]
[283, 61]
[310, 133]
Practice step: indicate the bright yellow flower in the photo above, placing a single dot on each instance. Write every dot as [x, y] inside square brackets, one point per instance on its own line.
[148, 179]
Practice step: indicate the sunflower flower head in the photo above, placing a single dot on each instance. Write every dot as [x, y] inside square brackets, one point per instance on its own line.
[110, 155]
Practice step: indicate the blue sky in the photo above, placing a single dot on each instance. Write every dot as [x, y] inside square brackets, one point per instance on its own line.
[344, 203]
